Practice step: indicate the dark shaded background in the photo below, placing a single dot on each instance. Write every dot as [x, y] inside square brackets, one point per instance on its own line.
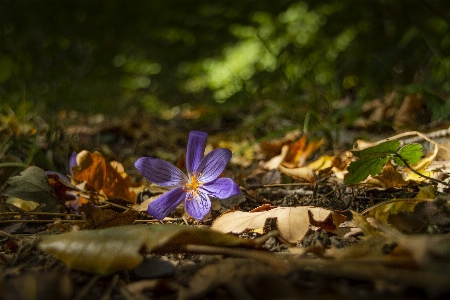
[297, 58]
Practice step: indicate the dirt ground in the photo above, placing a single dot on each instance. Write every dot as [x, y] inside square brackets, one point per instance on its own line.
[306, 270]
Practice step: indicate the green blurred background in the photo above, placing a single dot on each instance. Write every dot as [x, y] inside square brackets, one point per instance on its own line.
[295, 58]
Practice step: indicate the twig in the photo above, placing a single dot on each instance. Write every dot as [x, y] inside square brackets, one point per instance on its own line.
[40, 214]
[110, 288]
[41, 221]
[8, 235]
[13, 164]
[418, 173]
[85, 290]
[265, 257]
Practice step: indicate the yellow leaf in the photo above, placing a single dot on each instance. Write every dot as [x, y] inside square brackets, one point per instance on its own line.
[426, 192]
[22, 204]
[324, 162]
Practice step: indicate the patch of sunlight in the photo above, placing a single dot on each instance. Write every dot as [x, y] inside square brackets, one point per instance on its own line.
[135, 83]
[350, 81]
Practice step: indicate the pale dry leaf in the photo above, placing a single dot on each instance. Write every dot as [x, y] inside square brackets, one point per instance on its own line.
[301, 174]
[276, 161]
[292, 222]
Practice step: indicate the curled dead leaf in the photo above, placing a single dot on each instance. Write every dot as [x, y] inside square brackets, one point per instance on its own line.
[301, 174]
[276, 161]
[292, 222]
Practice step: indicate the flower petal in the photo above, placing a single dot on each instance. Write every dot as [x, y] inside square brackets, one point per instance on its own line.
[160, 171]
[166, 203]
[72, 162]
[61, 176]
[195, 150]
[198, 206]
[221, 188]
[213, 164]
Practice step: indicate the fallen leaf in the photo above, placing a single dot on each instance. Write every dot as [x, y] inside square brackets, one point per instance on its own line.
[273, 147]
[426, 192]
[426, 216]
[304, 174]
[22, 204]
[390, 177]
[32, 185]
[300, 151]
[118, 248]
[371, 161]
[97, 218]
[109, 179]
[322, 163]
[292, 222]
[276, 161]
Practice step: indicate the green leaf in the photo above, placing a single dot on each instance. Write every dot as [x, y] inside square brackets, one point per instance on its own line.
[360, 169]
[109, 250]
[385, 148]
[371, 161]
[411, 153]
[32, 185]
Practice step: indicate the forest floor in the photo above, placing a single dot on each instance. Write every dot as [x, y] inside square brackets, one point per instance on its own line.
[385, 237]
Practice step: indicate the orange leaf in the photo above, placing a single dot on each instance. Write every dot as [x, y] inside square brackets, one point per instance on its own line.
[109, 179]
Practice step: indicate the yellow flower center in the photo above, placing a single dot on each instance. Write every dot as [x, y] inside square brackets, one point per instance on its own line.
[192, 186]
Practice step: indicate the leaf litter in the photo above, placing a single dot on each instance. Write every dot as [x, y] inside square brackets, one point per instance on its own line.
[397, 247]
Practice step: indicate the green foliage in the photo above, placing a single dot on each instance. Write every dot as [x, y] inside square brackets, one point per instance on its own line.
[371, 160]
[104, 56]
[410, 153]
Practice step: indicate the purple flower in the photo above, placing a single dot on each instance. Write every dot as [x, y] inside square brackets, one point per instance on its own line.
[196, 188]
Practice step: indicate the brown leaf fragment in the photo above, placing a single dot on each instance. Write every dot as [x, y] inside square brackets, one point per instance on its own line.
[263, 207]
[328, 222]
[390, 177]
[97, 218]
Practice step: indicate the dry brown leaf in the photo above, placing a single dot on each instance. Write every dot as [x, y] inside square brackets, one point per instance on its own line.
[109, 179]
[301, 174]
[273, 147]
[97, 218]
[292, 222]
[390, 177]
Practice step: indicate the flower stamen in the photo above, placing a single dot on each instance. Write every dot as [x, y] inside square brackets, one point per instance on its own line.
[191, 187]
